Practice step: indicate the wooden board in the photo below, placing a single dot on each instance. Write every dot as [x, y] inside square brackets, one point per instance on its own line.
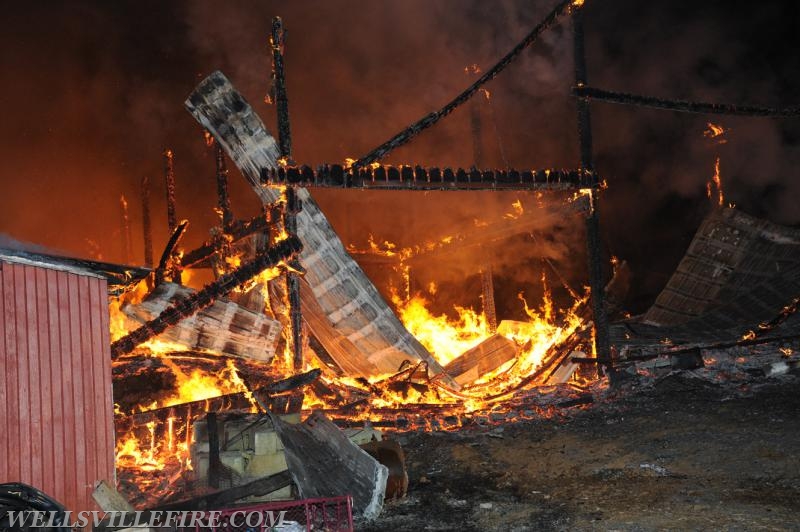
[485, 357]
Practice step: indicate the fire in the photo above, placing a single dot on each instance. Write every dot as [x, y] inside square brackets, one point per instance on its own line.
[715, 131]
[716, 182]
[446, 338]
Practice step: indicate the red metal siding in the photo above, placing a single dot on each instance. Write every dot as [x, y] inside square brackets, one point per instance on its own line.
[56, 405]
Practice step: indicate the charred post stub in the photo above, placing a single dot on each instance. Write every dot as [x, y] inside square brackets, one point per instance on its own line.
[602, 337]
[169, 180]
[172, 220]
[277, 41]
[127, 249]
[147, 228]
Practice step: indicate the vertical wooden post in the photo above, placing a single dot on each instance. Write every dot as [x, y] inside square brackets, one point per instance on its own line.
[279, 84]
[147, 228]
[293, 206]
[602, 339]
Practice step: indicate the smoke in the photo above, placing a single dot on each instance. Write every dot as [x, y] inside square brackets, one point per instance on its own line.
[95, 92]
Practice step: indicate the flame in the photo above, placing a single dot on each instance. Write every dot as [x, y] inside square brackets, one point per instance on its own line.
[446, 338]
[715, 131]
[716, 182]
[208, 137]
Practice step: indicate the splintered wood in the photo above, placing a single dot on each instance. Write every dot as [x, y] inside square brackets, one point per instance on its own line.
[224, 327]
[347, 298]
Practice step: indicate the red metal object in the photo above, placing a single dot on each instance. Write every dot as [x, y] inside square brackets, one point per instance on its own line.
[56, 405]
[331, 514]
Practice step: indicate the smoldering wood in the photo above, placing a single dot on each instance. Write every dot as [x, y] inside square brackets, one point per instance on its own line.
[165, 263]
[419, 178]
[683, 106]
[484, 358]
[188, 306]
[323, 462]
[345, 294]
[147, 228]
[222, 403]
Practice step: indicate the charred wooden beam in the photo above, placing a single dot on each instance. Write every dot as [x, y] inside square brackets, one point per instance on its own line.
[205, 297]
[476, 125]
[683, 106]
[414, 129]
[223, 198]
[147, 228]
[419, 178]
[277, 41]
[165, 264]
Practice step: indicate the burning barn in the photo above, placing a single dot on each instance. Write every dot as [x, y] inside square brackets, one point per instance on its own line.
[278, 367]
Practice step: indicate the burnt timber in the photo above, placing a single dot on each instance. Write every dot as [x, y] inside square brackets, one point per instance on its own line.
[419, 178]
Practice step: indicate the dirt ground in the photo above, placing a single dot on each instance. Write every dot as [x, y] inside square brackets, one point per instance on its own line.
[680, 453]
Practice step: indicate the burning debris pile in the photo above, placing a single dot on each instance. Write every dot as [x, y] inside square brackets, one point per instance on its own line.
[279, 337]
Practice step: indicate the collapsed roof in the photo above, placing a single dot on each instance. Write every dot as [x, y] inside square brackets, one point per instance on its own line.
[740, 274]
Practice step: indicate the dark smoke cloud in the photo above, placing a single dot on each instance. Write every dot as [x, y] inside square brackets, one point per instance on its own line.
[93, 92]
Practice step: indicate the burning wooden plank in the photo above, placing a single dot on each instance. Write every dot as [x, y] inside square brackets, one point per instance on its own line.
[484, 358]
[348, 299]
[224, 327]
[325, 463]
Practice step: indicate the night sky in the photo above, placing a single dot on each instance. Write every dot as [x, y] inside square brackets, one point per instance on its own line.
[93, 92]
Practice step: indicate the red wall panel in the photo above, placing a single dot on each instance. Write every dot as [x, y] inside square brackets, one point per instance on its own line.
[56, 404]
